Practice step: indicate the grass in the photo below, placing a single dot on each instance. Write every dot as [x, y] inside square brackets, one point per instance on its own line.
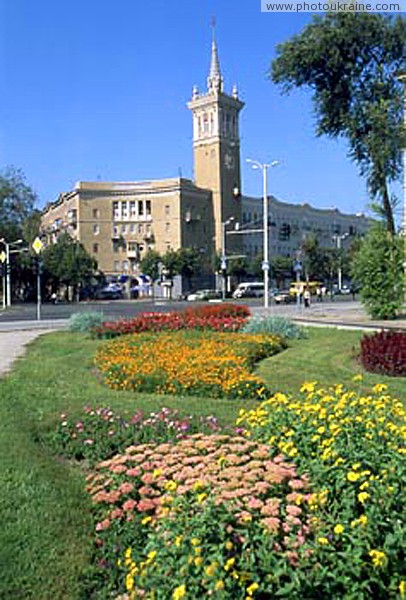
[46, 532]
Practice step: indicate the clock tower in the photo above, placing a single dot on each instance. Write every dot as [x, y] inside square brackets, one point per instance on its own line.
[216, 148]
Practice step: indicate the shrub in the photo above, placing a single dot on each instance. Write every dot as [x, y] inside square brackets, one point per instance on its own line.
[182, 362]
[384, 352]
[223, 317]
[276, 325]
[85, 321]
[377, 268]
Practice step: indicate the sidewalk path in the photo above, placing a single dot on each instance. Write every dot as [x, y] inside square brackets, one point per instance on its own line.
[13, 344]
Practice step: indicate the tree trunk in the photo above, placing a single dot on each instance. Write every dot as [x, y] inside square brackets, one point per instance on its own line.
[387, 209]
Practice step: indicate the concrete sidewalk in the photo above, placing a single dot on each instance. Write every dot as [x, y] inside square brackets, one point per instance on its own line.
[13, 345]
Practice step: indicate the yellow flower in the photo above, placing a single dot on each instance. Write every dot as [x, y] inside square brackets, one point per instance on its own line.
[252, 588]
[178, 540]
[229, 545]
[195, 541]
[219, 585]
[229, 564]
[378, 558]
[308, 386]
[171, 486]
[363, 497]
[323, 541]
[353, 476]
[179, 592]
[357, 377]
[210, 569]
[146, 520]
[338, 529]
[201, 498]
[402, 588]
[198, 561]
[379, 387]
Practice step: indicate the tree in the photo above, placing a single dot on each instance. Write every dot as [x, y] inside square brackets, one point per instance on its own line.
[67, 262]
[349, 60]
[17, 201]
[150, 264]
[377, 268]
[281, 269]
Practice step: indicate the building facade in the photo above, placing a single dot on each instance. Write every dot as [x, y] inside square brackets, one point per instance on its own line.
[118, 222]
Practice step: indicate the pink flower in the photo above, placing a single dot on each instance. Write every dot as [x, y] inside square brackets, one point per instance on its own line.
[145, 504]
[129, 504]
[254, 503]
[126, 487]
[271, 523]
[102, 525]
[293, 510]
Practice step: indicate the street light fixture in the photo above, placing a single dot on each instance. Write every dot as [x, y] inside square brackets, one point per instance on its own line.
[339, 238]
[7, 246]
[223, 265]
[265, 263]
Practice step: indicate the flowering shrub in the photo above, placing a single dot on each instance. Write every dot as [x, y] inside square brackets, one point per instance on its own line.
[188, 363]
[208, 513]
[100, 432]
[353, 448]
[222, 317]
[384, 352]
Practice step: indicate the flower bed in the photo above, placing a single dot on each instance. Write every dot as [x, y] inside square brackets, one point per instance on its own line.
[384, 352]
[197, 514]
[188, 363]
[221, 317]
[99, 433]
[353, 448]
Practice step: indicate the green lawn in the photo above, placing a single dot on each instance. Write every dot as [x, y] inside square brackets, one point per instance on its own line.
[45, 539]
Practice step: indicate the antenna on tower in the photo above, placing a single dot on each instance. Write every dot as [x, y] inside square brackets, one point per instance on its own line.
[213, 28]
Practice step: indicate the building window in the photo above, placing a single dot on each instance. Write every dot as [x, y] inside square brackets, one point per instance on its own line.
[96, 213]
[132, 228]
[116, 265]
[95, 248]
[123, 228]
[167, 227]
[167, 210]
[125, 265]
[116, 211]
[148, 207]
[133, 209]
[140, 207]
[115, 229]
[96, 229]
[140, 229]
[124, 210]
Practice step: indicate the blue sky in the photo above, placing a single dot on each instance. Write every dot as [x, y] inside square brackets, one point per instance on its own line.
[98, 90]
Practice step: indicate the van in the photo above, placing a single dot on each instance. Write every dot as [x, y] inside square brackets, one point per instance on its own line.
[300, 286]
[251, 289]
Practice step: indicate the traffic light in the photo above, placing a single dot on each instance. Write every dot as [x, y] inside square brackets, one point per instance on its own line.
[284, 232]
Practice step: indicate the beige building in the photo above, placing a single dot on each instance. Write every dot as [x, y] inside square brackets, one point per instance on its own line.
[118, 222]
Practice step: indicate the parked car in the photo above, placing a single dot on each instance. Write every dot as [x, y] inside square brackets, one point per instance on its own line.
[204, 295]
[249, 289]
[283, 297]
[112, 291]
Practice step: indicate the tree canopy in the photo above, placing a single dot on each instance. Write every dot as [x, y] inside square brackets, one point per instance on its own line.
[17, 201]
[349, 61]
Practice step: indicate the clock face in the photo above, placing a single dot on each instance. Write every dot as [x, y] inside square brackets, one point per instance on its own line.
[229, 160]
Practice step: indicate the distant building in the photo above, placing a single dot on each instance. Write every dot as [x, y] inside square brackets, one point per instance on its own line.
[118, 222]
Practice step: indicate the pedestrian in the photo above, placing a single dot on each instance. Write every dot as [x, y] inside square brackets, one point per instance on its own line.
[54, 298]
[306, 298]
[319, 294]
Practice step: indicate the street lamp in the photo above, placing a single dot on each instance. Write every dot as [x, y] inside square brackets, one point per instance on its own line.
[7, 246]
[223, 265]
[401, 77]
[339, 238]
[265, 263]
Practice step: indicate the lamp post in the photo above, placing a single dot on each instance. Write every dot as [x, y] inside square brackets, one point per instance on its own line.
[223, 265]
[38, 246]
[7, 246]
[339, 238]
[265, 263]
[401, 77]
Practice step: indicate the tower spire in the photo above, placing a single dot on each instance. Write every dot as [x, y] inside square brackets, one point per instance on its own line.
[214, 80]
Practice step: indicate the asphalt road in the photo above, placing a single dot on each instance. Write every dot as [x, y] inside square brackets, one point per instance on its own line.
[129, 308]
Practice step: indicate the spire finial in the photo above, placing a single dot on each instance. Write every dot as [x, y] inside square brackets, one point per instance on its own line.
[214, 80]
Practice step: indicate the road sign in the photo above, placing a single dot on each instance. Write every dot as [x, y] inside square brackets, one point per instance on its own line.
[37, 245]
[3, 256]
